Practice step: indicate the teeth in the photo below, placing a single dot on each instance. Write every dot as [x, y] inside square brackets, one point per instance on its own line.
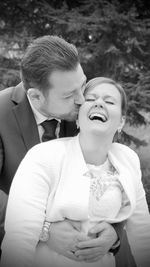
[97, 116]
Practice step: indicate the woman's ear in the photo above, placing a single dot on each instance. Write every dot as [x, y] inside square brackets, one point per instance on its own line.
[122, 123]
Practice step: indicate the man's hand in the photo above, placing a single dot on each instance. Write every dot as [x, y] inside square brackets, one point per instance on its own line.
[64, 237]
[94, 249]
[67, 240]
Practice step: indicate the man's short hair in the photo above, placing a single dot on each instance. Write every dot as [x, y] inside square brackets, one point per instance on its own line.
[45, 55]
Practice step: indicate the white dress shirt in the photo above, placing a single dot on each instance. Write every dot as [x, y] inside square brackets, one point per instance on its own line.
[39, 117]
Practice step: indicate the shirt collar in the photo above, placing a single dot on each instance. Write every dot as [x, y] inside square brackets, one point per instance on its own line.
[38, 116]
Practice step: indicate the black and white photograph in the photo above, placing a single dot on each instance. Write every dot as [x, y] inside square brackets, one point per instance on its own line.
[74, 133]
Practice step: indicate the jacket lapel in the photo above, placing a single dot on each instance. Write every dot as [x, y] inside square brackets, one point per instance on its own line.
[24, 117]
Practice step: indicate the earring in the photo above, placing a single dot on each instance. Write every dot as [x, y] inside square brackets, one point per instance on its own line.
[119, 130]
[77, 124]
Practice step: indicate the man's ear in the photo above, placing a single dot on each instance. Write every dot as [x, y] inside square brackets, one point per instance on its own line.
[36, 97]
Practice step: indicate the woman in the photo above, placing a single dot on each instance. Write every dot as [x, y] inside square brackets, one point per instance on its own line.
[87, 178]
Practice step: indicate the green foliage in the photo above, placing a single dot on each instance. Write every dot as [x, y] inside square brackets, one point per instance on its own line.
[9, 72]
[146, 179]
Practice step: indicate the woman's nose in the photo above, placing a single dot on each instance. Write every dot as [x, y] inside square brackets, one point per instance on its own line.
[99, 103]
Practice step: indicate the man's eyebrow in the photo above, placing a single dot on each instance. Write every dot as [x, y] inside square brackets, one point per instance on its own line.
[74, 90]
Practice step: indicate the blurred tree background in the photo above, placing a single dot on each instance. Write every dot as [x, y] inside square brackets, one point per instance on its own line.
[112, 37]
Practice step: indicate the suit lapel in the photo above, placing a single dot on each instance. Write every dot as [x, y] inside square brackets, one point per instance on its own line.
[25, 118]
[26, 121]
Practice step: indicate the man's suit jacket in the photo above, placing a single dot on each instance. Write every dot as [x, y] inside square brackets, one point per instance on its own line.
[18, 132]
[3, 202]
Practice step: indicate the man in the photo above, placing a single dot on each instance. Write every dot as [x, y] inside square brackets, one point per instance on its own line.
[52, 87]
[3, 202]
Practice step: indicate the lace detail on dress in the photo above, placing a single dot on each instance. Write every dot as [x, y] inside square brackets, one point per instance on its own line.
[102, 177]
[105, 192]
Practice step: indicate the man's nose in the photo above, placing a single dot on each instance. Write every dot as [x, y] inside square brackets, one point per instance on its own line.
[79, 100]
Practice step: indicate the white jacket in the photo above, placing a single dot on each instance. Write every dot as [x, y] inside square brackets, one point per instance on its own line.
[59, 164]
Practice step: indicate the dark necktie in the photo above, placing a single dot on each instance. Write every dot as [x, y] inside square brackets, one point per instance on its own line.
[49, 129]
